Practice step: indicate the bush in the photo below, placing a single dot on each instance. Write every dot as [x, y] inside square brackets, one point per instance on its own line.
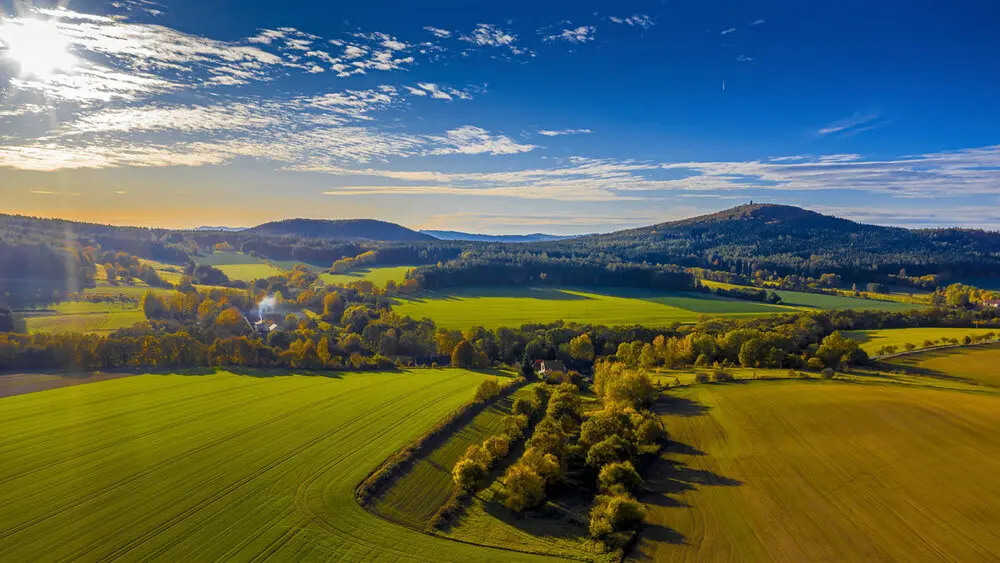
[488, 389]
[814, 363]
[614, 514]
[828, 373]
[497, 446]
[609, 450]
[467, 474]
[701, 378]
[514, 425]
[524, 487]
[524, 406]
[619, 474]
[544, 464]
[722, 376]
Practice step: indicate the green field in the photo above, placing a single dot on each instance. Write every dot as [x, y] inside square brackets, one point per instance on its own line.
[513, 306]
[238, 266]
[417, 494]
[872, 340]
[976, 365]
[217, 466]
[83, 316]
[825, 471]
[377, 275]
[823, 301]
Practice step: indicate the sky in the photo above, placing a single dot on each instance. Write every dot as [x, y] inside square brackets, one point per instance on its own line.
[564, 117]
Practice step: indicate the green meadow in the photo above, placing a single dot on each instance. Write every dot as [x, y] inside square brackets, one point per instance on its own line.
[514, 306]
[377, 275]
[86, 317]
[212, 466]
[239, 266]
[872, 340]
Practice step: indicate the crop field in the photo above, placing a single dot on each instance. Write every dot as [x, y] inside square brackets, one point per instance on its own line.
[822, 301]
[417, 494]
[83, 316]
[514, 306]
[213, 466]
[975, 365]
[872, 340]
[239, 266]
[824, 470]
[377, 275]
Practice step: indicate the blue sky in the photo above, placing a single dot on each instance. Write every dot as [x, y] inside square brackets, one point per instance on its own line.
[564, 117]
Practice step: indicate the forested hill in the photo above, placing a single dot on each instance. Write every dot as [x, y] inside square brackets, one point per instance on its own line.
[791, 239]
[340, 229]
[456, 235]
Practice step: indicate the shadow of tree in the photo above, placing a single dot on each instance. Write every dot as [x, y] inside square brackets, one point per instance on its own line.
[679, 406]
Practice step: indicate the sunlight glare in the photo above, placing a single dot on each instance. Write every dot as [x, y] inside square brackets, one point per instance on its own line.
[38, 47]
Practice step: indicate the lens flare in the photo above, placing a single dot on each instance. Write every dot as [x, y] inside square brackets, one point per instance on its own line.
[38, 48]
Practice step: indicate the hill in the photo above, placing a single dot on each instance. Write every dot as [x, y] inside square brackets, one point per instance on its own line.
[456, 235]
[341, 229]
[792, 239]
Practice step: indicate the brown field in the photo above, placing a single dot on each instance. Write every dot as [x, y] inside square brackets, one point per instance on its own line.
[976, 365]
[825, 471]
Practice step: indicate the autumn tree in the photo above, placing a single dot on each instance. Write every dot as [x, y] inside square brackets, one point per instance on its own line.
[581, 348]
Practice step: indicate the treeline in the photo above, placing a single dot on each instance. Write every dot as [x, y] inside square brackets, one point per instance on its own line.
[522, 268]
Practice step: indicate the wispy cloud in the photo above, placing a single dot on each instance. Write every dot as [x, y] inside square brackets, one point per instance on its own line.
[855, 124]
[640, 20]
[557, 132]
[965, 172]
[728, 31]
[489, 35]
[438, 32]
[476, 140]
[744, 59]
[757, 22]
[580, 34]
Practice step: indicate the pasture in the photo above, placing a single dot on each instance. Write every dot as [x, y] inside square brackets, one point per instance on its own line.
[415, 496]
[824, 470]
[834, 302]
[85, 317]
[975, 365]
[872, 340]
[213, 466]
[378, 275]
[239, 266]
[492, 307]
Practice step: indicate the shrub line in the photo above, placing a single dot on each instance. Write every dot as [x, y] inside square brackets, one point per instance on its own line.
[394, 464]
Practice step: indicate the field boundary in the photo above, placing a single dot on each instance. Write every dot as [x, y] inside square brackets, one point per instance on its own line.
[935, 348]
[395, 463]
[402, 459]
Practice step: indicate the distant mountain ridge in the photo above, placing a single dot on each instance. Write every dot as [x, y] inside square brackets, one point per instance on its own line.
[205, 228]
[790, 238]
[472, 237]
[340, 229]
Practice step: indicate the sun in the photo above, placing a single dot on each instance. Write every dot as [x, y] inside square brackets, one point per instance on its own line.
[37, 47]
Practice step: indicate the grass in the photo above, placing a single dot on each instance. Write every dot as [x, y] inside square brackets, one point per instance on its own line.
[238, 266]
[217, 466]
[417, 494]
[377, 275]
[514, 306]
[825, 470]
[872, 340]
[823, 301]
[85, 317]
[976, 365]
